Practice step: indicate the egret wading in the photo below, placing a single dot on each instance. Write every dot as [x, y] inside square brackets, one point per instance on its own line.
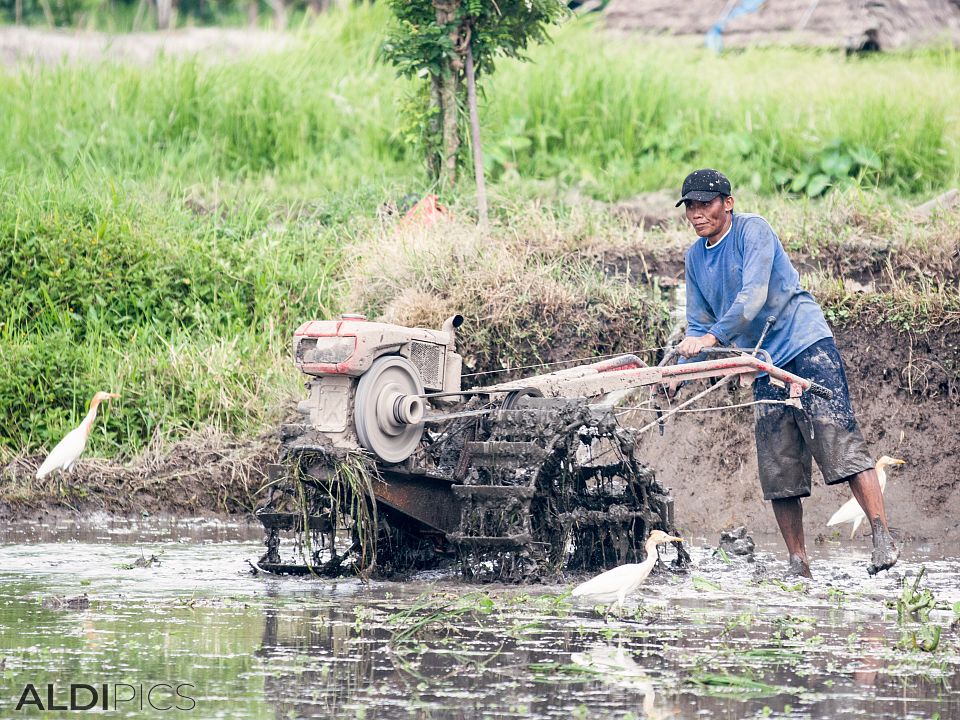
[64, 456]
[614, 585]
[851, 511]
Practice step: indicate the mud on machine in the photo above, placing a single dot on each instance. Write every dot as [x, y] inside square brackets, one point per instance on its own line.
[396, 467]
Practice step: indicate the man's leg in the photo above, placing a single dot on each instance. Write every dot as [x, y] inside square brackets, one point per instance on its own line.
[789, 514]
[838, 445]
[866, 489]
[784, 465]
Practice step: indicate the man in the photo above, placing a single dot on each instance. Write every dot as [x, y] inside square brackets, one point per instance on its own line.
[737, 276]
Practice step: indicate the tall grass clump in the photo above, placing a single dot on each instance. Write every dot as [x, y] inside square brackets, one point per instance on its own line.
[325, 109]
[187, 315]
[618, 114]
[530, 290]
[613, 114]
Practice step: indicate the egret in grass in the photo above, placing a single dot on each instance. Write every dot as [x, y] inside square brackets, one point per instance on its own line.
[851, 511]
[64, 456]
[614, 585]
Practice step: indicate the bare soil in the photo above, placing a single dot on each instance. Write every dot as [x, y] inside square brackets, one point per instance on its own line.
[906, 400]
[209, 473]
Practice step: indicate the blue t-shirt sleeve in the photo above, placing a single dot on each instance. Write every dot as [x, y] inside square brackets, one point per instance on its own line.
[759, 247]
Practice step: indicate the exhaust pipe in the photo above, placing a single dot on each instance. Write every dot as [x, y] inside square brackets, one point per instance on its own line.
[450, 325]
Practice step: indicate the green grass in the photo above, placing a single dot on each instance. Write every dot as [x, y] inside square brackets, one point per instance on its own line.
[188, 315]
[616, 115]
[277, 115]
[165, 227]
[623, 115]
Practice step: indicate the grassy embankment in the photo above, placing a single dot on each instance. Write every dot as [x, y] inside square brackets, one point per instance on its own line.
[163, 229]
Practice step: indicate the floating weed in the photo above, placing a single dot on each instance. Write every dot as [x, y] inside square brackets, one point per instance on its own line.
[775, 655]
[520, 629]
[837, 596]
[703, 585]
[914, 601]
[915, 604]
[559, 604]
[913, 666]
[797, 587]
[552, 671]
[728, 684]
[722, 554]
[440, 626]
[790, 627]
[925, 638]
[437, 616]
[744, 620]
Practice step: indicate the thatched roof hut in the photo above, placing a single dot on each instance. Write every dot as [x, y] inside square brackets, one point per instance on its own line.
[832, 23]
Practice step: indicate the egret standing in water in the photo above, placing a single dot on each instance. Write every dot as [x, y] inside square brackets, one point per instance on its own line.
[614, 585]
[64, 456]
[851, 511]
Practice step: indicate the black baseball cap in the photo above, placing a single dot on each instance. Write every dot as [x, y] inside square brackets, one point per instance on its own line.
[704, 185]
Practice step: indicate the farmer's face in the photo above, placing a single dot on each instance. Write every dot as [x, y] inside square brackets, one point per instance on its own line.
[710, 219]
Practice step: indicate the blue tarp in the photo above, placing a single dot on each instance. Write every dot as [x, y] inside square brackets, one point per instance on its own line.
[714, 37]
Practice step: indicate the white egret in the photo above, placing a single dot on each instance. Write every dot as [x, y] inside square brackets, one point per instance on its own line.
[851, 511]
[64, 456]
[614, 585]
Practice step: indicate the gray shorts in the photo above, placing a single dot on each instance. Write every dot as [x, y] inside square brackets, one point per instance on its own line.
[787, 438]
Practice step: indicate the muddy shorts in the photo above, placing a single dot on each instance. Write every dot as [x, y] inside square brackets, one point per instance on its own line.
[827, 430]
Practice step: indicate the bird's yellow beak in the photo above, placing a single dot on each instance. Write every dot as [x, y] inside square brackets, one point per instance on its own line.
[113, 395]
[898, 461]
[671, 538]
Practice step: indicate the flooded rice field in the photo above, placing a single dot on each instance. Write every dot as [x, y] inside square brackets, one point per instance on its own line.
[163, 618]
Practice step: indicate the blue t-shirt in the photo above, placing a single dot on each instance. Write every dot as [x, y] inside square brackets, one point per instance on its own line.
[735, 285]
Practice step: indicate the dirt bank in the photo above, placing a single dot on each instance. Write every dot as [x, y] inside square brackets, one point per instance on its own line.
[906, 397]
[870, 245]
[207, 473]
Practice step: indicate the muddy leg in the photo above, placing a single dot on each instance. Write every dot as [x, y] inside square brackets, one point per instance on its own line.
[789, 514]
[866, 489]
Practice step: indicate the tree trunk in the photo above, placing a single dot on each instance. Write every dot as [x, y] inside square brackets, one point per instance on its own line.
[18, 12]
[164, 11]
[253, 13]
[48, 13]
[434, 139]
[475, 138]
[451, 130]
[279, 8]
[447, 14]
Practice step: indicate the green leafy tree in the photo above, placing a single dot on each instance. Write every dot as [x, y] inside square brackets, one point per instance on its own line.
[449, 43]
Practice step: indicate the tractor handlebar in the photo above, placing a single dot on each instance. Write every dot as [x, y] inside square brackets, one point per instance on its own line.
[821, 391]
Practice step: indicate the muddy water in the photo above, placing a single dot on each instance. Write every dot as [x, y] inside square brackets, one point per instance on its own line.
[724, 640]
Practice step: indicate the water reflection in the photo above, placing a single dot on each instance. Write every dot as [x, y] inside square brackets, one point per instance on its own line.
[725, 646]
[870, 660]
[311, 671]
